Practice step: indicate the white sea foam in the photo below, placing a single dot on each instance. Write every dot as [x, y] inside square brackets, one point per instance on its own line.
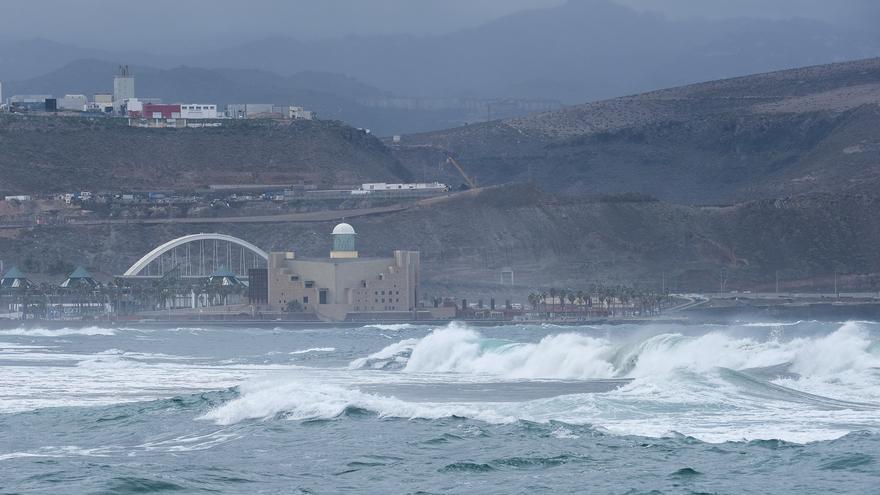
[710, 411]
[57, 452]
[59, 332]
[298, 400]
[458, 349]
[314, 349]
[771, 324]
[391, 327]
[680, 383]
[397, 353]
[462, 350]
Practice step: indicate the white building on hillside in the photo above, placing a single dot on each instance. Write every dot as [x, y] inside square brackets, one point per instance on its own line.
[198, 111]
[381, 186]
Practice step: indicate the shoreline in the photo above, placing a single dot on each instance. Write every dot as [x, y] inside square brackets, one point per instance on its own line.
[296, 325]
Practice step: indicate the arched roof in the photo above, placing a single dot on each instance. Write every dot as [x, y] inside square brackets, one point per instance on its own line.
[343, 228]
[168, 246]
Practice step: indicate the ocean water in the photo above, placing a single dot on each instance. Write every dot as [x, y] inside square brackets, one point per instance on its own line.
[623, 409]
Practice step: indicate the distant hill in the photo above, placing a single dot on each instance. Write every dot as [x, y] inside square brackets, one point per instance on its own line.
[814, 129]
[58, 154]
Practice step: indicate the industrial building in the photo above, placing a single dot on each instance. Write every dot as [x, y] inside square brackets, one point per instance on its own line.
[102, 102]
[74, 103]
[345, 286]
[267, 110]
[123, 87]
[31, 103]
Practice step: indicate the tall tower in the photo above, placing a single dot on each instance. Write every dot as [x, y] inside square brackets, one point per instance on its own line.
[123, 87]
[343, 242]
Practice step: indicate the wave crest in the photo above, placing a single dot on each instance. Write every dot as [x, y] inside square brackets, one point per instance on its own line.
[574, 356]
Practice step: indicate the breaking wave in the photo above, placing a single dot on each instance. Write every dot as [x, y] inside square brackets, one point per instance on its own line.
[395, 356]
[574, 356]
[699, 385]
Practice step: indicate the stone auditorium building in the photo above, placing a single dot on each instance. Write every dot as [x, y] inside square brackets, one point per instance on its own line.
[345, 286]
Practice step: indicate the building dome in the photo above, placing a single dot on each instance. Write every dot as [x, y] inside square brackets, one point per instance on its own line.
[342, 229]
[343, 242]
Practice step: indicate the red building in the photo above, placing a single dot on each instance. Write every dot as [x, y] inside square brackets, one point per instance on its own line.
[158, 111]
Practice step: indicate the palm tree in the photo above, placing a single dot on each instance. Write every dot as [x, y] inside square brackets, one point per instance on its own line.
[580, 300]
[562, 295]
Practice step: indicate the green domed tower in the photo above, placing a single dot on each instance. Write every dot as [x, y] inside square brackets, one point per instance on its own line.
[344, 242]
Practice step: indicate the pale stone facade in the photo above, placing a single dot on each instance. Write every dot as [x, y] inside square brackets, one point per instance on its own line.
[344, 285]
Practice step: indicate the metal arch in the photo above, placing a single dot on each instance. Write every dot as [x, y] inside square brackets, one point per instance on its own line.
[168, 246]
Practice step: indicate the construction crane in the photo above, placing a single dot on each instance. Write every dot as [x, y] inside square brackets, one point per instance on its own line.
[471, 182]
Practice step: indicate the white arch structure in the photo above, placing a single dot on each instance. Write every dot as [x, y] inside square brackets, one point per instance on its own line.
[180, 241]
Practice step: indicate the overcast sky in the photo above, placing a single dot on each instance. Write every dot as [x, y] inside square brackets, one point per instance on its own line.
[163, 25]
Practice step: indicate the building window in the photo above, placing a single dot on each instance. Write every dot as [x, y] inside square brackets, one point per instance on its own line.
[305, 299]
[310, 284]
[294, 278]
[322, 296]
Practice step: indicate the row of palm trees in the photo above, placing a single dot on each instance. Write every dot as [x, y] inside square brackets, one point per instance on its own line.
[598, 300]
[41, 300]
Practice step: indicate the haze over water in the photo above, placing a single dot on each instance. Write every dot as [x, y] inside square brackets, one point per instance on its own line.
[738, 408]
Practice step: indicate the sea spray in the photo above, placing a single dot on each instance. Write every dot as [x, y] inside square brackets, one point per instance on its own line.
[462, 350]
[459, 349]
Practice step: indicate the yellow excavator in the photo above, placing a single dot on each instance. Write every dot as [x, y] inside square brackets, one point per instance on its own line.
[470, 181]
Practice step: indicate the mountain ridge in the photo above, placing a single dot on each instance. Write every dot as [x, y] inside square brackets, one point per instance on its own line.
[763, 136]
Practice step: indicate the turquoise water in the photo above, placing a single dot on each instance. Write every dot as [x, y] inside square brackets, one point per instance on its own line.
[741, 408]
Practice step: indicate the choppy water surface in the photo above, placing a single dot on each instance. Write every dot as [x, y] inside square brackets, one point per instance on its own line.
[750, 408]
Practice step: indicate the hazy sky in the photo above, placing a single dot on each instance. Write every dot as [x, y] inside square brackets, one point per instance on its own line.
[179, 25]
[835, 11]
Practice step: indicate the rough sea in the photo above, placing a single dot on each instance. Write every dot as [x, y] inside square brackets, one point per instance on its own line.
[621, 409]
